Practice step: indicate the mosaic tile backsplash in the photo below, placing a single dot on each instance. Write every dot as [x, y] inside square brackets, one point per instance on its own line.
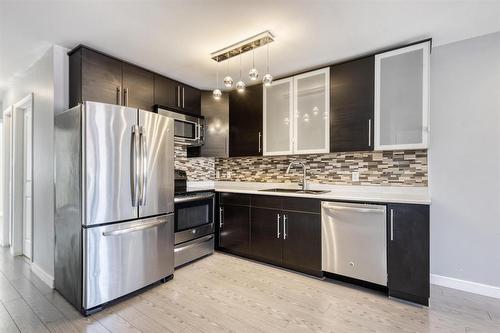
[390, 168]
[393, 168]
[197, 168]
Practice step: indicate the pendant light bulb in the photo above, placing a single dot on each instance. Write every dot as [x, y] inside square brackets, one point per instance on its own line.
[228, 80]
[268, 78]
[253, 73]
[217, 93]
[240, 85]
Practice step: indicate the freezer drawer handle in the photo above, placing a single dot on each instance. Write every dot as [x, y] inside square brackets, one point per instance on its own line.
[134, 228]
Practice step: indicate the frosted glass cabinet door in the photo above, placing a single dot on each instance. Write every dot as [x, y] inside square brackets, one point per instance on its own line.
[277, 124]
[402, 98]
[312, 112]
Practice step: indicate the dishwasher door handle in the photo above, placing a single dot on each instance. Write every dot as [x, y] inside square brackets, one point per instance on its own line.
[354, 209]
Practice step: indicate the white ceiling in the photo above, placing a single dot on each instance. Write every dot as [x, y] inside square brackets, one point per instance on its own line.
[175, 38]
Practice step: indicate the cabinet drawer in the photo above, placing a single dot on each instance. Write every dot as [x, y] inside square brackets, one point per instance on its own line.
[267, 201]
[234, 199]
[302, 205]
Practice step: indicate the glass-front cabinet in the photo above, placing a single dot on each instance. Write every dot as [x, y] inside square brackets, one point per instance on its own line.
[402, 98]
[297, 114]
[312, 112]
[278, 114]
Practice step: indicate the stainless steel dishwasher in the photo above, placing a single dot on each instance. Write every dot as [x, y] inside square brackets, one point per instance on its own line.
[353, 241]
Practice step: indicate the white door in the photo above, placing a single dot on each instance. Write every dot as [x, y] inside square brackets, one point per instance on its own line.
[27, 184]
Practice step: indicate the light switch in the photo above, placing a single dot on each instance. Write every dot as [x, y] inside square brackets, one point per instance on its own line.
[355, 176]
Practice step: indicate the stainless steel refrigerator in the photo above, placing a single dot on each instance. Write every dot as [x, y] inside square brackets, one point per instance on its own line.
[114, 218]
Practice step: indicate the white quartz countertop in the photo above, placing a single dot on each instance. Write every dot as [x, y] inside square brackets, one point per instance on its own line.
[382, 194]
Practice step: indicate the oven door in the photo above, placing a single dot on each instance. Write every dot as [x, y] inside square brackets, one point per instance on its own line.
[194, 216]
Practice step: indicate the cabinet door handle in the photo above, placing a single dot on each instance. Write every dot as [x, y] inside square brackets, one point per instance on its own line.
[225, 147]
[369, 132]
[178, 96]
[260, 145]
[392, 224]
[278, 226]
[183, 97]
[284, 226]
[118, 95]
[125, 96]
[221, 217]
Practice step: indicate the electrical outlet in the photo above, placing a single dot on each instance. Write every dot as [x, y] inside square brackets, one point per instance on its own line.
[355, 176]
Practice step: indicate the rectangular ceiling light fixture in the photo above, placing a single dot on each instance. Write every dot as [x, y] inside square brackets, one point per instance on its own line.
[243, 46]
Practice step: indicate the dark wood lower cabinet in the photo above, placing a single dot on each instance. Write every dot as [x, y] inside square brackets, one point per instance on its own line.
[302, 242]
[408, 252]
[234, 229]
[266, 235]
[287, 232]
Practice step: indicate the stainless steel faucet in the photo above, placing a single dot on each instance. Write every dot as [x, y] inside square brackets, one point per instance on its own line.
[303, 184]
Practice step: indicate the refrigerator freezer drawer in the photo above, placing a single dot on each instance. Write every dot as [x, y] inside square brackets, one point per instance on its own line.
[124, 257]
[353, 241]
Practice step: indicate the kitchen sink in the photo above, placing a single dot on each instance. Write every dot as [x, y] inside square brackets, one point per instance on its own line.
[290, 190]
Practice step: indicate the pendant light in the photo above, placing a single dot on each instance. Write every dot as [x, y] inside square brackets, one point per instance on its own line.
[217, 93]
[253, 73]
[268, 78]
[228, 80]
[240, 85]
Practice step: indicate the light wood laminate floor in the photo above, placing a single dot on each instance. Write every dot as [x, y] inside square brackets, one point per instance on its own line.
[223, 293]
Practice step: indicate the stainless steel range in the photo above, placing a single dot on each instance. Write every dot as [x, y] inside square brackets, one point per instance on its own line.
[194, 221]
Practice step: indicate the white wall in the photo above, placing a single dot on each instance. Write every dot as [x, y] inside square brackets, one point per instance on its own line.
[47, 78]
[465, 163]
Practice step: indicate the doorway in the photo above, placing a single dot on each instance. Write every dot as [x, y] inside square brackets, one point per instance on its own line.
[21, 165]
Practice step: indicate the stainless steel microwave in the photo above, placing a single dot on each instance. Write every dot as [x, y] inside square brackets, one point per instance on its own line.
[189, 130]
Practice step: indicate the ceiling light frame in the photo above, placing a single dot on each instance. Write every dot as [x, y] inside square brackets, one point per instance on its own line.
[243, 46]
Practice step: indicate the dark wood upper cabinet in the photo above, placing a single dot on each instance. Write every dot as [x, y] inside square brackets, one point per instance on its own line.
[190, 99]
[165, 91]
[97, 77]
[408, 252]
[245, 122]
[352, 87]
[302, 241]
[138, 87]
[94, 77]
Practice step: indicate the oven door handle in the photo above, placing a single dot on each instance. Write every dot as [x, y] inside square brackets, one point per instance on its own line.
[193, 198]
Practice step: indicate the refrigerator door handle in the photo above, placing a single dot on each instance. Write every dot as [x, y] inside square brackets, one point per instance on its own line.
[144, 160]
[134, 167]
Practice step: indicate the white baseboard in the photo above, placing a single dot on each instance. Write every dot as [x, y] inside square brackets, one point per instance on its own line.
[44, 276]
[468, 286]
